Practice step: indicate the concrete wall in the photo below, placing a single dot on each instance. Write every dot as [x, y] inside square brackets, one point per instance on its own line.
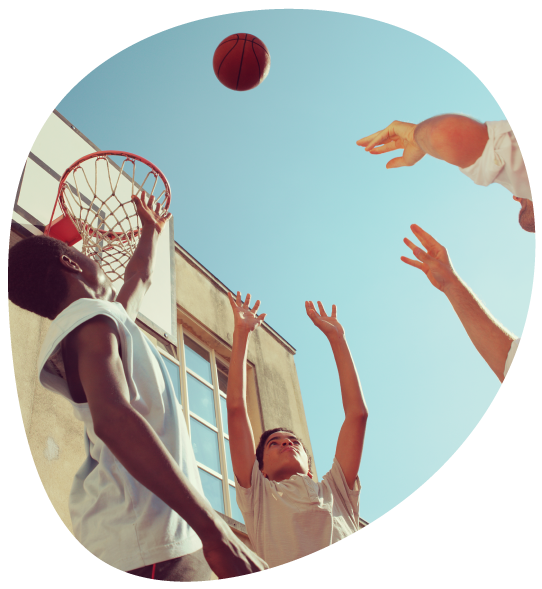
[273, 396]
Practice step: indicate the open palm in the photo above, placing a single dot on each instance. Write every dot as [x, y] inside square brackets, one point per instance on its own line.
[329, 325]
[435, 262]
[148, 215]
[243, 315]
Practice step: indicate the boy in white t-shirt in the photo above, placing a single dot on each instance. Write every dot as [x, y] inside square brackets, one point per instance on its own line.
[136, 502]
[487, 153]
[288, 515]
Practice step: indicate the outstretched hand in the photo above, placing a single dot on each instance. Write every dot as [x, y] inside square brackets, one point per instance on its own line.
[435, 263]
[156, 217]
[328, 325]
[398, 135]
[244, 316]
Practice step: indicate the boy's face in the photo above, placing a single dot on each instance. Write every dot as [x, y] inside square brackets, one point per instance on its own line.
[284, 456]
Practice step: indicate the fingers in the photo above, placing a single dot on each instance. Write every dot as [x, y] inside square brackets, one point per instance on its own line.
[256, 306]
[396, 162]
[322, 310]
[247, 301]
[389, 145]
[311, 311]
[416, 250]
[262, 317]
[375, 139]
[334, 311]
[414, 263]
[238, 299]
[428, 241]
[232, 300]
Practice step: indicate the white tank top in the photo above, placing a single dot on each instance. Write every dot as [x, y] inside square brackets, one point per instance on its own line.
[115, 517]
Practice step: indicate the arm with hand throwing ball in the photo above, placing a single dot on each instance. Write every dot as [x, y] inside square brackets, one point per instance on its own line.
[352, 434]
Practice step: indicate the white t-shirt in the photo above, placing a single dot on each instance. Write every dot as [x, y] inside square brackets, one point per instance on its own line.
[115, 517]
[289, 519]
[501, 162]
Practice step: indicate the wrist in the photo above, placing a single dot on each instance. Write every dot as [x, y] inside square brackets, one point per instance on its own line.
[241, 332]
[452, 285]
[214, 531]
[337, 339]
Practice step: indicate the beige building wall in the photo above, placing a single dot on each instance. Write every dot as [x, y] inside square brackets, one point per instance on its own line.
[56, 438]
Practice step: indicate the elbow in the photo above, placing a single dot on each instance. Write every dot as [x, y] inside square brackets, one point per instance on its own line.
[359, 418]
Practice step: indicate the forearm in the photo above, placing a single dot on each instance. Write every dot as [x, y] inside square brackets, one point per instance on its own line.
[456, 139]
[352, 394]
[142, 262]
[137, 447]
[489, 337]
[237, 376]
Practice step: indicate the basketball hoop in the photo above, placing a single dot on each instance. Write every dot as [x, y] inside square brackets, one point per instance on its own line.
[95, 196]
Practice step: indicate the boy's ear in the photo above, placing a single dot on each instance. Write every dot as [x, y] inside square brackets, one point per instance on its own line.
[70, 264]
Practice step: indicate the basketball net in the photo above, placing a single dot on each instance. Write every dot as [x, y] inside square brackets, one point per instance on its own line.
[96, 195]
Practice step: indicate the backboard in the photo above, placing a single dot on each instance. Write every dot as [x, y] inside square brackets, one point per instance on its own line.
[57, 146]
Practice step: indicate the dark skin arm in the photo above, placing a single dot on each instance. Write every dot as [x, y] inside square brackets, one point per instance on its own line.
[137, 277]
[95, 367]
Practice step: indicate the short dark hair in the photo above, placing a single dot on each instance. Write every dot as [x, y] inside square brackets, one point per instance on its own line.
[36, 280]
[265, 436]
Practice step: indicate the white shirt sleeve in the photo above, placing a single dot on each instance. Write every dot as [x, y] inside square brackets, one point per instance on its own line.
[501, 162]
[511, 354]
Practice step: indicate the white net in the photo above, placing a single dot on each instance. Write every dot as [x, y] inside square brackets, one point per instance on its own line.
[97, 197]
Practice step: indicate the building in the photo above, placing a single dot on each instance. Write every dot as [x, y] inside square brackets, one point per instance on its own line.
[195, 340]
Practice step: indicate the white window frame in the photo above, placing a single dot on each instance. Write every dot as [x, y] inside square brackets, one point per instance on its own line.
[217, 394]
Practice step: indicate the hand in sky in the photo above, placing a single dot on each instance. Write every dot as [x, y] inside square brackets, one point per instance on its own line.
[243, 315]
[328, 325]
[149, 217]
[398, 135]
[435, 262]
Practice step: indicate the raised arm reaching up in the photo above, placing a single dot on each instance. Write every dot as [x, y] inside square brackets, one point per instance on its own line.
[242, 446]
[352, 434]
[489, 337]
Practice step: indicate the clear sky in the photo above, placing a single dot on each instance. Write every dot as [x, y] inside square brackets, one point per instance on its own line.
[272, 195]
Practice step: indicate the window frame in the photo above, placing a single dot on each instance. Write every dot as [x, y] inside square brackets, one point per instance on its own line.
[217, 395]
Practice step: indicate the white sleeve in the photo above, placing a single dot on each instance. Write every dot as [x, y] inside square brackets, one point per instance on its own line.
[511, 354]
[501, 162]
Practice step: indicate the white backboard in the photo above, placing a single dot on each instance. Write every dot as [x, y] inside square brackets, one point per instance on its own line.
[57, 146]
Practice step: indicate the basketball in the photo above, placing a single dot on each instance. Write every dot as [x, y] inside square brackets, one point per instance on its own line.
[241, 62]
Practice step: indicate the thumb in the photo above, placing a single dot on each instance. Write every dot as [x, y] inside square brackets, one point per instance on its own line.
[396, 162]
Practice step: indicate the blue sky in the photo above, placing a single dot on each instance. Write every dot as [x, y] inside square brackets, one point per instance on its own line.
[273, 196]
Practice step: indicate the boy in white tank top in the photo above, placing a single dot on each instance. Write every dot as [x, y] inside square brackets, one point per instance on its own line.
[136, 502]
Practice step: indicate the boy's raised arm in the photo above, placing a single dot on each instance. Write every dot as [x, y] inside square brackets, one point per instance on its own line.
[241, 437]
[352, 434]
[137, 277]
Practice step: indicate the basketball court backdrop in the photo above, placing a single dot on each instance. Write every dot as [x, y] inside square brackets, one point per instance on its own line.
[58, 145]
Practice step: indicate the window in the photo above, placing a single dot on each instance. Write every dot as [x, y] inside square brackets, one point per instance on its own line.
[200, 380]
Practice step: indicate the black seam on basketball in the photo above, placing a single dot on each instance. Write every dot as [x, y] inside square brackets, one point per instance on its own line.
[228, 41]
[241, 64]
[218, 71]
[250, 41]
[258, 62]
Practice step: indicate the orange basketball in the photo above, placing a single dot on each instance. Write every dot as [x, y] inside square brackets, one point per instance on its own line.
[241, 62]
